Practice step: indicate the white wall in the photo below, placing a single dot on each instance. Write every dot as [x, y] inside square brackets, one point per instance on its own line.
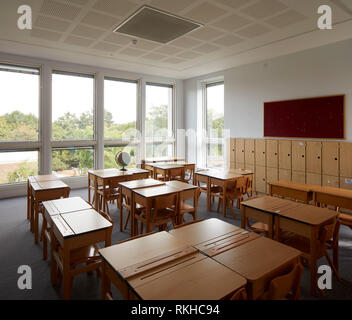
[321, 71]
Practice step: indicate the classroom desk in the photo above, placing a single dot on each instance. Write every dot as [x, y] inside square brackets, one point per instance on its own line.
[71, 231]
[163, 159]
[220, 178]
[42, 191]
[337, 197]
[164, 168]
[259, 261]
[126, 190]
[101, 177]
[160, 266]
[293, 190]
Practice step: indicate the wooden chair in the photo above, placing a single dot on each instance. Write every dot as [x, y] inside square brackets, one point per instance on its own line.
[286, 286]
[202, 184]
[240, 294]
[126, 204]
[328, 239]
[88, 256]
[249, 190]
[176, 174]
[187, 208]
[109, 192]
[234, 192]
[164, 211]
[187, 223]
[188, 174]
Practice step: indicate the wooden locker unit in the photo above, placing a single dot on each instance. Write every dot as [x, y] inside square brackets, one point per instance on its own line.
[285, 174]
[299, 156]
[313, 152]
[249, 167]
[345, 159]
[330, 158]
[249, 152]
[240, 165]
[239, 152]
[346, 183]
[313, 178]
[272, 174]
[331, 181]
[285, 154]
[233, 150]
[272, 153]
[260, 152]
[299, 176]
[260, 179]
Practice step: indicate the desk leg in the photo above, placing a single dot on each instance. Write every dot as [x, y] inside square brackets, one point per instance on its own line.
[32, 213]
[66, 273]
[313, 261]
[208, 195]
[105, 283]
[36, 221]
[147, 214]
[53, 264]
[96, 195]
[243, 217]
[133, 210]
[277, 228]
[224, 200]
[121, 209]
[28, 200]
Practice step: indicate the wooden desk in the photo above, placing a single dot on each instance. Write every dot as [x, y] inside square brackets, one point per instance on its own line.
[126, 190]
[213, 236]
[220, 178]
[72, 231]
[164, 168]
[293, 190]
[259, 261]
[340, 198]
[101, 177]
[42, 191]
[160, 266]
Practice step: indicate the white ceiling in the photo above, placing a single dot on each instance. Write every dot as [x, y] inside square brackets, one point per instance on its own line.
[235, 32]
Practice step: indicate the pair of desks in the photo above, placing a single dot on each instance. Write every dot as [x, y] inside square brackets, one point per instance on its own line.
[302, 219]
[73, 224]
[144, 192]
[220, 178]
[39, 189]
[207, 260]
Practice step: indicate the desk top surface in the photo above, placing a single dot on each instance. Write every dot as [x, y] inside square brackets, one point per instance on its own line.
[66, 205]
[157, 191]
[143, 183]
[163, 159]
[202, 231]
[182, 186]
[47, 185]
[110, 173]
[225, 174]
[45, 177]
[256, 258]
[168, 166]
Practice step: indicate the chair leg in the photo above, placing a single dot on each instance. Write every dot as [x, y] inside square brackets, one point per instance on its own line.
[333, 266]
[232, 210]
[142, 227]
[127, 219]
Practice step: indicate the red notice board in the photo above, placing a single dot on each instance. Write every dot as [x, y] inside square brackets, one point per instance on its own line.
[316, 118]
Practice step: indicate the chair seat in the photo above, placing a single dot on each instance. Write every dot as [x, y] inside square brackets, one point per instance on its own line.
[345, 219]
[260, 227]
[163, 215]
[83, 254]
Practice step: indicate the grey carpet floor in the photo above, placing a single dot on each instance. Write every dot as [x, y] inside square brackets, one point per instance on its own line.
[17, 248]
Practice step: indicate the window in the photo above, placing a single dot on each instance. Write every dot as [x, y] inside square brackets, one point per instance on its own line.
[73, 161]
[214, 124]
[110, 153]
[159, 121]
[72, 106]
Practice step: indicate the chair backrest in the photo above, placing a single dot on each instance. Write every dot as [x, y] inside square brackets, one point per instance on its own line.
[190, 173]
[196, 199]
[237, 185]
[287, 285]
[113, 185]
[175, 172]
[329, 232]
[107, 217]
[164, 202]
[249, 185]
[187, 223]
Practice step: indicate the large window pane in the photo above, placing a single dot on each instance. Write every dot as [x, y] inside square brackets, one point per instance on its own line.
[120, 108]
[215, 124]
[17, 166]
[72, 106]
[19, 103]
[72, 161]
[110, 153]
[159, 130]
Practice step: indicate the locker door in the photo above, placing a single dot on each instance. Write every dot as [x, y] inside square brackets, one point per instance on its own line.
[299, 156]
[331, 181]
[285, 154]
[345, 159]
[232, 153]
[260, 179]
[346, 183]
[260, 152]
[313, 157]
[239, 152]
[249, 152]
[314, 178]
[272, 153]
[285, 174]
[330, 158]
[299, 176]
[272, 174]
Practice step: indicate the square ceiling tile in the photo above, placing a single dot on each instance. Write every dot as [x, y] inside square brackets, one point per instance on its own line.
[115, 7]
[172, 6]
[185, 42]
[132, 52]
[78, 41]
[285, 19]
[154, 56]
[232, 22]
[167, 49]
[253, 31]
[106, 47]
[205, 33]
[205, 12]
[228, 41]
[118, 39]
[60, 10]
[188, 55]
[50, 23]
[206, 48]
[100, 20]
[174, 60]
[234, 3]
[45, 34]
[88, 32]
[264, 8]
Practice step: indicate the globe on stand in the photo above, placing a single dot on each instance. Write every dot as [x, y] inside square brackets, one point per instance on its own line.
[123, 159]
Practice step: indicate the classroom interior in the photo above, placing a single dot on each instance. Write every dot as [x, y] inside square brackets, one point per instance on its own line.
[175, 150]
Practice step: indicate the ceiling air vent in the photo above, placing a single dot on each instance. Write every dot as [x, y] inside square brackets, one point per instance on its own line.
[156, 25]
